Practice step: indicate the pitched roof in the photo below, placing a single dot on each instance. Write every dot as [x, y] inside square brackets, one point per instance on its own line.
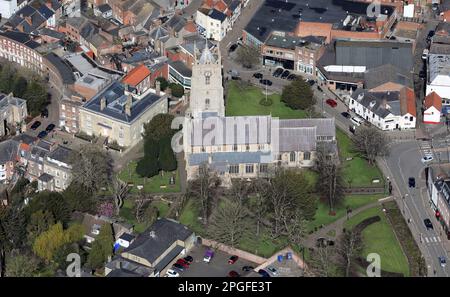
[136, 75]
[8, 151]
[407, 101]
[433, 99]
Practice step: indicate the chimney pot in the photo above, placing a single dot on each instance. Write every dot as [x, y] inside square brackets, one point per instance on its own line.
[102, 103]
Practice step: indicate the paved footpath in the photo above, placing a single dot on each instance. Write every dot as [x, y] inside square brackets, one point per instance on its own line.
[338, 225]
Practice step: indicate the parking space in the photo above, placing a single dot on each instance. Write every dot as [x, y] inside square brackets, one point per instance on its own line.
[218, 267]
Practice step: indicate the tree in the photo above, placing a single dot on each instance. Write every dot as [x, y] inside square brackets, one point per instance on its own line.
[149, 165]
[36, 96]
[21, 265]
[91, 168]
[177, 90]
[204, 189]
[350, 247]
[14, 225]
[298, 95]
[120, 192]
[247, 56]
[259, 203]
[6, 78]
[78, 198]
[159, 127]
[167, 159]
[322, 261]
[40, 221]
[19, 86]
[296, 228]
[228, 222]
[163, 83]
[330, 183]
[53, 202]
[49, 241]
[60, 256]
[102, 247]
[141, 204]
[370, 142]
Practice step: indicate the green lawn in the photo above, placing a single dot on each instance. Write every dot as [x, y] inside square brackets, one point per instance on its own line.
[126, 212]
[357, 172]
[189, 217]
[244, 101]
[380, 238]
[151, 185]
[352, 201]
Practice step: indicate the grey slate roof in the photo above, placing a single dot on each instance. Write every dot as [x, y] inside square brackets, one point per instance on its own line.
[45, 177]
[61, 154]
[325, 126]
[116, 100]
[297, 140]
[64, 70]
[374, 101]
[227, 158]
[8, 151]
[181, 68]
[20, 37]
[165, 231]
[387, 73]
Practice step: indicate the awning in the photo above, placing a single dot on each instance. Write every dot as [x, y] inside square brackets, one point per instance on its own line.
[168, 258]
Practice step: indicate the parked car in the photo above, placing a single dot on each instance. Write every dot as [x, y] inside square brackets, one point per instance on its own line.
[425, 54]
[430, 35]
[422, 74]
[442, 261]
[263, 273]
[427, 158]
[312, 82]
[44, 113]
[285, 74]
[208, 256]
[172, 273]
[35, 125]
[273, 270]
[42, 134]
[277, 72]
[357, 121]
[178, 267]
[183, 263]
[428, 224]
[265, 82]
[412, 182]
[233, 273]
[320, 89]
[188, 259]
[331, 102]
[232, 48]
[258, 75]
[345, 115]
[236, 78]
[292, 77]
[233, 259]
[50, 127]
[247, 268]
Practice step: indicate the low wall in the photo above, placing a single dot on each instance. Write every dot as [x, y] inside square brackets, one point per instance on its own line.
[283, 252]
[233, 251]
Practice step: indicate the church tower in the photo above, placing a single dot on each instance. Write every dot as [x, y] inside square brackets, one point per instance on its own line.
[206, 83]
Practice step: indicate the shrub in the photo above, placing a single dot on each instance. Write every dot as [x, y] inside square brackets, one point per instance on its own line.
[266, 102]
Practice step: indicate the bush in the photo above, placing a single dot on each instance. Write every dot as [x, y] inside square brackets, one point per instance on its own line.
[163, 83]
[266, 102]
[177, 90]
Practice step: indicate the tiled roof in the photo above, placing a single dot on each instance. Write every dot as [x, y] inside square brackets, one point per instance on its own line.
[136, 75]
[433, 99]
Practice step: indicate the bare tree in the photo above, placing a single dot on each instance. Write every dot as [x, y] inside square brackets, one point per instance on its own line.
[296, 228]
[322, 261]
[228, 222]
[91, 168]
[247, 56]
[240, 191]
[141, 204]
[120, 192]
[204, 188]
[259, 203]
[350, 247]
[370, 142]
[330, 183]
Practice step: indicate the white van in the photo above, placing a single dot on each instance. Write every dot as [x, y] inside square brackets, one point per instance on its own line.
[425, 54]
[357, 121]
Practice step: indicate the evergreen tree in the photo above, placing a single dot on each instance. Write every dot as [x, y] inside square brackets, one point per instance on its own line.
[19, 86]
[298, 95]
[167, 159]
[149, 165]
[101, 248]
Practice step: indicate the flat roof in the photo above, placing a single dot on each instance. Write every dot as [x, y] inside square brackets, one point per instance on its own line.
[284, 16]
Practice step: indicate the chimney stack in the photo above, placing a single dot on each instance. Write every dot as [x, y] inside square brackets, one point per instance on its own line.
[128, 105]
[158, 88]
[102, 103]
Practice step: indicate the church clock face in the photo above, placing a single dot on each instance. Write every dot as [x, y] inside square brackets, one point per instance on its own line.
[208, 73]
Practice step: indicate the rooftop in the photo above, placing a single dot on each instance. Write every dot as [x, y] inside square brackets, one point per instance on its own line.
[136, 75]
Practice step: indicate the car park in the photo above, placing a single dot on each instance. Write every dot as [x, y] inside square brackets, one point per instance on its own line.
[331, 102]
[277, 72]
[172, 273]
[412, 182]
[258, 75]
[428, 224]
[345, 115]
[35, 125]
[233, 273]
[265, 82]
[50, 127]
[285, 74]
[272, 270]
[42, 134]
[427, 158]
[233, 259]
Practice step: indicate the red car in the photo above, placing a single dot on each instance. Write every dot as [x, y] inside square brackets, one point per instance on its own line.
[233, 259]
[331, 102]
[233, 273]
[183, 263]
